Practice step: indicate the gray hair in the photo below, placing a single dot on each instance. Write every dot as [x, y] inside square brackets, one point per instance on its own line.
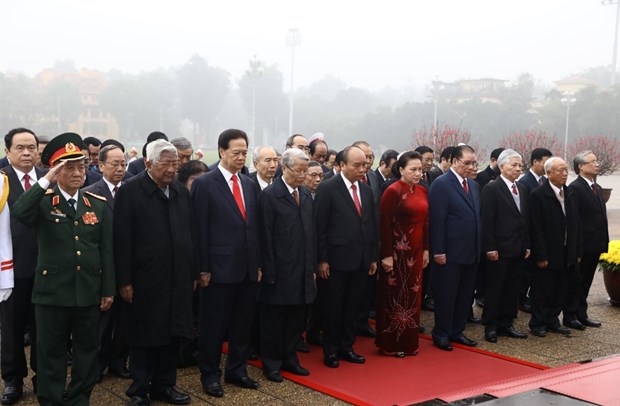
[505, 156]
[156, 148]
[181, 143]
[290, 155]
[550, 162]
[103, 153]
[258, 150]
[580, 159]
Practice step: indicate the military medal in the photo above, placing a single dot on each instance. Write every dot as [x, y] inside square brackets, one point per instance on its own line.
[90, 218]
[55, 200]
[86, 202]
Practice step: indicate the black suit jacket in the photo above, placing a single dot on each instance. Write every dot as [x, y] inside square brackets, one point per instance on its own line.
[227, 244]
[4, 162]
[24, 238]
[91, 178]
[346, 241]
[593, 213]
[487, 175]
[136, 167]
[101, 188]
[529, 181]
[504, 227]
[548, 226]
[288, 243]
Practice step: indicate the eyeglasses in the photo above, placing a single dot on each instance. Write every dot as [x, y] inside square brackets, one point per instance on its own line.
[296, 172]
[316, 174]
[594, 161]
[117, 164]
[167, 164]
[468, 163]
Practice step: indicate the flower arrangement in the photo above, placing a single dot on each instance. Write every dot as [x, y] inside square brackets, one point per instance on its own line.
[610, 260]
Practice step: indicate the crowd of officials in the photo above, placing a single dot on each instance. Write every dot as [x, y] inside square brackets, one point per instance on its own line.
[134, 266]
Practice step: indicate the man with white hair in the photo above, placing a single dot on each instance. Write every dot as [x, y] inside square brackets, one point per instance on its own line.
[265, 161]
[505, 242]
[556, 243]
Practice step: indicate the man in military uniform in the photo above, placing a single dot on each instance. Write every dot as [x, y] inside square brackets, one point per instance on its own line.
[74, 277]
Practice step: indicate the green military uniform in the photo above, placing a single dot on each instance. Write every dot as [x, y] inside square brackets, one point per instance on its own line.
[75, 269]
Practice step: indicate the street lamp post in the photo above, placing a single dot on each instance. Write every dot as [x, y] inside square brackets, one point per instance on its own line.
[614, 57]
[292, 40]
[256, 70]
[568, 100]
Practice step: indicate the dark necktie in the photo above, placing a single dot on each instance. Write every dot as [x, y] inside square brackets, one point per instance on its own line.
[237, 195]
[296, 197]
[424, 177]
[514, 189]
[71, 202]
[541, 180]
[465, 186]
[594, 189]
[356, 200]
[27, 184]
[114, 191]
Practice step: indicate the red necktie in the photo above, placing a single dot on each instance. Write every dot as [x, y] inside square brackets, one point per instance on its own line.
[237, 195]
[296, 197]
[514, 189]
[356, 200]
[365, 179]
[27, 184]
[465, 186]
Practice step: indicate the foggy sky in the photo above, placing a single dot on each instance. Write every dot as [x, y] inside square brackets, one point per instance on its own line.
[369, 44]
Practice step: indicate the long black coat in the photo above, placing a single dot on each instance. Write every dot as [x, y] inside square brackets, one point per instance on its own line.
[154, 252]
[594, 216]
[288, 246]
[548, 224]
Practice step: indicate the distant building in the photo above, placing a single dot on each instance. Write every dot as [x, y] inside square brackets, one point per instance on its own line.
[573, 84]
[485, 89]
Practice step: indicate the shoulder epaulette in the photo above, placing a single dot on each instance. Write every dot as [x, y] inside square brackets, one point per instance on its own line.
[49, 192]
[96, 196]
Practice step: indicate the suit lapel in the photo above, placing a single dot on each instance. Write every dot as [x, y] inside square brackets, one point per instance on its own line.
[508, 194]
[225, 191]
[346, 194]
[461, 190]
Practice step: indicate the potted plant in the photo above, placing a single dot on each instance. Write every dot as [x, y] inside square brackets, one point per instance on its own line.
[609, 263]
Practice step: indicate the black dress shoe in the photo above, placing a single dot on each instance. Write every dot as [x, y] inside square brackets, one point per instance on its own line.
[331, 361]
[366, 331]
[428, 304]
[27, 339]
[295, 370]
[474, 320]
[244, 382]
[350, 356]
[539, 331]
[120, 372]
[139, 401]
[590, 323]
[465, 341]
[560, 330]
[172, 396]
[253, 356]
[442, 344]
[525, 307]
[574, 324]
[491, 336]
[511, 332]
[213, 389]
[273, 376]
[12, 394]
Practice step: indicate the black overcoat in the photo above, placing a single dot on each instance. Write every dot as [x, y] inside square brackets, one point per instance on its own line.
[154, 252]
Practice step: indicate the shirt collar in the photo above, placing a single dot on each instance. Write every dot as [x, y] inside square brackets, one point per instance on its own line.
[290, 189]
[347, 182]
[535, 175]
[459, 177]
[261, 182]
[590, 183]
[111, 186]
[556, 190]
[227, 175]
[32, 174]
[67, 196]
[507, 182]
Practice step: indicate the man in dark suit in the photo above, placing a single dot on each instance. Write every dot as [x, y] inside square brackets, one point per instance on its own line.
[139, 165]
[593, 213]
[346, 223]
[225, 212]
[17, 310]
[556, 242]
[156, 271]
[74, 278]
[505, 243]
[287, 235]
[92, 146]
[454, 218]
[492, 171]
[445, 160]
[114, 349]
[384, 170]
[534, 177]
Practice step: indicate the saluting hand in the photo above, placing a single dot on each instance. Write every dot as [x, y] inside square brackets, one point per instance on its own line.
[52, 175]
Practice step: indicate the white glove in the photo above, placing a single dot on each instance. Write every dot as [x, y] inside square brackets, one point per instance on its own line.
[5, 294]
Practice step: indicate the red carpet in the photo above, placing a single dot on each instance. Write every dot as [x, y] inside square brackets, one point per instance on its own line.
[432, 373]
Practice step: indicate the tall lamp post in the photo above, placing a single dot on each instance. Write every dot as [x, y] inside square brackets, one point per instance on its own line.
[614, 57]
[255, 72]
[568, 100]
[292, 40]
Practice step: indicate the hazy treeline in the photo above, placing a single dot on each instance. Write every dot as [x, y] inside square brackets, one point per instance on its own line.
[199, 100]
